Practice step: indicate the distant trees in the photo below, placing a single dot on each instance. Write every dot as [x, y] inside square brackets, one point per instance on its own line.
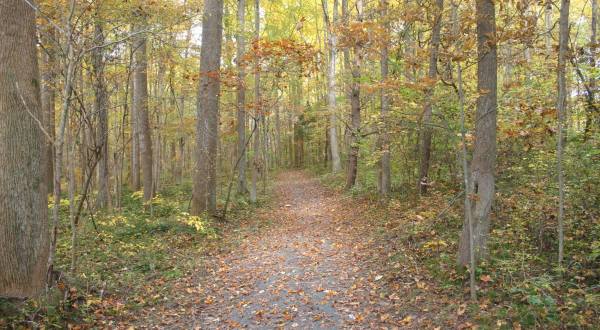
[23, 156]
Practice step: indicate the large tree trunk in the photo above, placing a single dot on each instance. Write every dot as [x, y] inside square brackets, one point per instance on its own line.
[100, 108]
[427, 108]
[140, 105]
[336, 165]
[355, 109]
[23, 156]
[384, 139]
[561, 106]
[484, 156]
[241, 97]
[207, 124]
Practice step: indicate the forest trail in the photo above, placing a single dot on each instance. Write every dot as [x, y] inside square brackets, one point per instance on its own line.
[308, 270]
[298, 273]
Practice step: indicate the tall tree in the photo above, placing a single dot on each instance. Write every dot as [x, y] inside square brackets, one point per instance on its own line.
[384, 139]
[204, 197]
[484, 154]
[427, 131]
[48, 93]
[140, 105]
[336, 165]
[23, 156]
[355, 106]
[256, 159]
[241, 97]
[561, 106]
[101, 109]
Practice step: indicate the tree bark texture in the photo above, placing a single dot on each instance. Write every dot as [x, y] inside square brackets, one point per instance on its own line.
[484, 154]
[23, 155]
[207, 124]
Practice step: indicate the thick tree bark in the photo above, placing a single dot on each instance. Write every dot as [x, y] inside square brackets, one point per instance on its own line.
[384, 139]
[241, 98]
[484, 156]
[207, 124]
[101, 109]
[23, 156]
[336, 165]
[561, 106]
[427, 131]
[140, 105]
[355, 109]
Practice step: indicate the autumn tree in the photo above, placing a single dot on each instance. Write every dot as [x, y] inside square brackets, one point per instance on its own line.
[483, 164]
[204, 195]
[23, 157]
[140, 103]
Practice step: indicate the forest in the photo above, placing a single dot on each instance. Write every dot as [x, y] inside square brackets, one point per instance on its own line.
[319, 164]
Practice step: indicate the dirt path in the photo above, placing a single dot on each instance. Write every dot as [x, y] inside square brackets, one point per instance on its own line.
[304, 272]
[310, 269]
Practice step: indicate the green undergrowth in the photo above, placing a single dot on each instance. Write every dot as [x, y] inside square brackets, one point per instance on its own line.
[126, 259]
[519, 285]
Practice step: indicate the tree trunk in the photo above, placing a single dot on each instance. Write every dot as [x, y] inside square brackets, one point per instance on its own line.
[384, 139]
[561, 106]
[241, 98]
[134, 178]
[207, 124]
[140, 104]
[336, 165]
[427, 108]
[100, 108]
[355, 109]
[590, 109]
[23, 156]
[256, 161]
[48, 93]
[484, 155]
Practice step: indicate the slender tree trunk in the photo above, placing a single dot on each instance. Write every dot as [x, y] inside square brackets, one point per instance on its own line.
[336, 165]
[23, 156]
[409, 48]
[256, 161]
[484, 156]
[100, 108]
[384, 139]
[48, 93]
[561, 106]
[241, 98]
[427, 109]
[134, 179]
[140, 104]
[590, 113]
[355, 109]
[69, 74]
[207, 124]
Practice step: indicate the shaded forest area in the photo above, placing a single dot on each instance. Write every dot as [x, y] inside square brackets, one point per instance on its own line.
[142, 140]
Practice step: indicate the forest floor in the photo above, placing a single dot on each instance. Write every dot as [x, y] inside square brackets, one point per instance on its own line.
[319, 264]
